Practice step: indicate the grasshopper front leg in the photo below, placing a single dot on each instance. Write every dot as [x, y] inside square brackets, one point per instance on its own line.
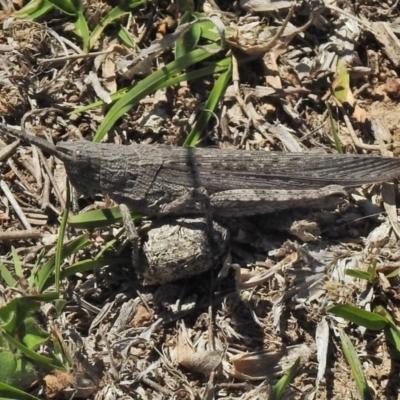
[131, 233]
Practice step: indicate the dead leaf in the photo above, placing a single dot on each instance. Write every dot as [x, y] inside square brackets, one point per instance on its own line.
[142, 316]
[359, 114]
[203, 362]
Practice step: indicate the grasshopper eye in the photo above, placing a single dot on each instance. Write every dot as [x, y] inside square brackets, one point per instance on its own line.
[78, 157]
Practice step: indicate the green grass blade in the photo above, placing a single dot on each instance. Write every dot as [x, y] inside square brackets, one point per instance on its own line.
[108, 245]
[355, 366]
[384, 313]
[66, 6]
[148, 85]
[366, 275]
[114, 96]
[360, 317]
[213, 68]
[126, 37]
[98, 218]
[115, 14]
[46, 362]
[82, 30]
[205, 115]
[60, 241]
[88, 265]
[335, 135]
[34, 9]
[44, 276]
[393, 274]
[35, 269]
[190, 39]
[45, 297]
[280, 387]
[9, 392]
[208, 30]
[17, 263]
[392, 334]
[7, 276]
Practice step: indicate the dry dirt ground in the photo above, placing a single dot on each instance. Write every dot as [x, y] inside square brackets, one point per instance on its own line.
[232, 331]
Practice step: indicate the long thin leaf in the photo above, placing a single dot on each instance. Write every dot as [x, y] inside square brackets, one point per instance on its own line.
[361, 317]
[335, 135]
[355, 365]
[82, 30]
[98, 218]
[37, 358]
[215, 67]
[115, 14]
[280, 387]
[392, 333]
[205, 115]
[9, 392]
[7, 276]
[17, 263]
[43, 278]
[126, 37]
[34, 9]
[88, 265]
[60, 242]
[66, 6]
[189, 40]
[148, 85]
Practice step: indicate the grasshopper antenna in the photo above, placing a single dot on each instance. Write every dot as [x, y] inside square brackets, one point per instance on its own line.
[39, 142]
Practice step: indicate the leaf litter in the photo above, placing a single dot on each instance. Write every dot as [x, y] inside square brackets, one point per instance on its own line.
[230, 332]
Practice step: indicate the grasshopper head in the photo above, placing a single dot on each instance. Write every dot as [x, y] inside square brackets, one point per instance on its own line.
[83, 167]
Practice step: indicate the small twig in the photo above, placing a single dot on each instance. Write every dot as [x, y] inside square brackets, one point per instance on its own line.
[390, 9]
[28, 166]
[12, 263]
[46, 193]
[159, 388]
[40, 112]
[15, 205]
[19, 235]
[144, 301]
[25, 192]
[359, 90]
[36, 166]
[20, 176]
[52, 180]
[6, 152]
[73, 57]
[55, 211]
[252, 116]
[351, 16]
[236, 386]
[281, 30]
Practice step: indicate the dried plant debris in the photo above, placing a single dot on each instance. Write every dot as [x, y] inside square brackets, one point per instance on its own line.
[222, 313]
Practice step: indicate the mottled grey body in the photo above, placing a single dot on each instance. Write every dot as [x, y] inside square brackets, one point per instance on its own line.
[162, 180]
